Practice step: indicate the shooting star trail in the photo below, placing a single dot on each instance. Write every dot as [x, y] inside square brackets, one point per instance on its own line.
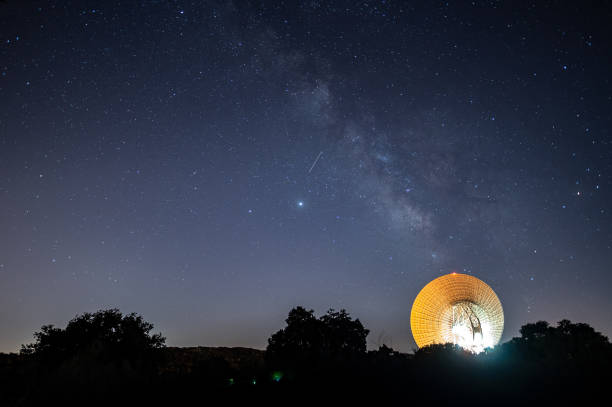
[315, 162]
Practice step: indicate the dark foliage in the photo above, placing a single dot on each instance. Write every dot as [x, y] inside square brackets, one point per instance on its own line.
[309, 342]
[107, 334]
[107, 358]
[97, 354]
[567, 344]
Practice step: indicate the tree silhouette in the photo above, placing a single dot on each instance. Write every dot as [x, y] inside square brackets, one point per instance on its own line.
[98, 356]
[567, 343]
[308, 340]
[342, 334]
[106, 356]
[106, 334]
[535, 331]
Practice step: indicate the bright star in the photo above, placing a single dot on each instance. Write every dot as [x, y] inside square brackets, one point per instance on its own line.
[300, 203]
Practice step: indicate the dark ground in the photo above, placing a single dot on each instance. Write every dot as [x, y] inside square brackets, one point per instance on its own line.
[108, 358]
[200, 375]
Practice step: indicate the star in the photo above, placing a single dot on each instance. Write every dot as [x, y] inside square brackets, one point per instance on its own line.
[207, 154]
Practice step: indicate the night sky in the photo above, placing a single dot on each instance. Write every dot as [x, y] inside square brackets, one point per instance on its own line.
[211, 164]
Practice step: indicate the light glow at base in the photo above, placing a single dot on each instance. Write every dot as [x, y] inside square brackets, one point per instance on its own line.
[458, 309]
[468, 330]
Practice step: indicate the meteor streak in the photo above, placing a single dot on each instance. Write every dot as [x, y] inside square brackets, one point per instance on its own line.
[315, 162]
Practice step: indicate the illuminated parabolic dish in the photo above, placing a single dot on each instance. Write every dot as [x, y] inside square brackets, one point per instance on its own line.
[460, 309]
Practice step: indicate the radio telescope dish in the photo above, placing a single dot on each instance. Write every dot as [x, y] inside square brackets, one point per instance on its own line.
[459, 309]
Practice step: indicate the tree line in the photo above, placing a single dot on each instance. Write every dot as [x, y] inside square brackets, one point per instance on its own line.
[107, 356]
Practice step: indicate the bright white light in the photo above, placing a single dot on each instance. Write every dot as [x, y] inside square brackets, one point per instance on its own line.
[300, 203]
[470, 330]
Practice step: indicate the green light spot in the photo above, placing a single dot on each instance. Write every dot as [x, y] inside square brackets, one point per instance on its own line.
[277, 376]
